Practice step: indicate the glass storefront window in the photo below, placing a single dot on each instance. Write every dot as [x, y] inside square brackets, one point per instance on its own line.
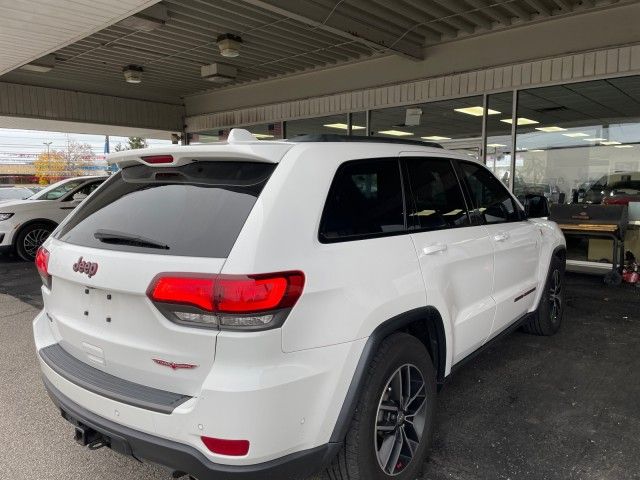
[499, 138]
[359, 123]
[336, 124]
[584, 148]
[455, 124]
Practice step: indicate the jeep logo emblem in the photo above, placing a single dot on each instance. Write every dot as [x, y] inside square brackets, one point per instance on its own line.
[90, 268]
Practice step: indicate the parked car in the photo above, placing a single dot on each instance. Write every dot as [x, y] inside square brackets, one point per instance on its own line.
[616, 189]
[26, 223]
[14, 193]
[266, 310]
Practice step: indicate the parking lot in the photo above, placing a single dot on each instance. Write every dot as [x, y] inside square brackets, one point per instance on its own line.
[562, 407]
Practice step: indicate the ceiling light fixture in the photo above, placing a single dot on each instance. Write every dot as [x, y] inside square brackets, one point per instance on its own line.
[41, 65]
[436, 138]
[537, 150]
[476, 111]
[594, 139]
[521, 121]
[551, 129]
[229, 45]
[343, 126]
[133, 73]
[262, 135]
[611, 142]
[575, 135]
[495, 145]
[623, 146]
[395, 133]
[218, 73]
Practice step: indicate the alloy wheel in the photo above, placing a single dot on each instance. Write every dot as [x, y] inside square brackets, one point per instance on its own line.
[33, 240]
[555, 296]
[400, 419]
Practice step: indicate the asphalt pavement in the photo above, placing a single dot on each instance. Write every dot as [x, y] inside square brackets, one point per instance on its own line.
[565, 407]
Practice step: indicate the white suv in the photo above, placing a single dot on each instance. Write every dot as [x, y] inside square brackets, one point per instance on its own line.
[275, 309]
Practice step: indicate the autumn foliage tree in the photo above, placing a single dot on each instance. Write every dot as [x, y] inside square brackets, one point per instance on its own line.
[50, 167]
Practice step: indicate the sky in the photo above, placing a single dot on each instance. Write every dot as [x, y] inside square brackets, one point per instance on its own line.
[18, 146]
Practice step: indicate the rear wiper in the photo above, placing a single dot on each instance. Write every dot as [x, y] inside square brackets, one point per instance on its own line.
[121, 238]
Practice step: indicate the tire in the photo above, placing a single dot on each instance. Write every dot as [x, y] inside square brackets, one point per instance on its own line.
[30, 238]
[400, 357]
[548, 317]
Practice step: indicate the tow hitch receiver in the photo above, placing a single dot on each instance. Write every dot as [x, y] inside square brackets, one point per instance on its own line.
[87, 436]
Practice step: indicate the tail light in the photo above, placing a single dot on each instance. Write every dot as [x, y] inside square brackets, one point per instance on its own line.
[42, 264]
[250, 302]
[233, 448]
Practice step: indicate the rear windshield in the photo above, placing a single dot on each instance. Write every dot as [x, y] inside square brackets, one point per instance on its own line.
[193, 210]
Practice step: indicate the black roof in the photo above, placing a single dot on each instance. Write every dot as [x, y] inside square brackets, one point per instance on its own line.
[334, 137]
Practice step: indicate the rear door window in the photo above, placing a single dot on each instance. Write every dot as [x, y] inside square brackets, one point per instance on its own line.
[193, 210]
[437, 200]
[365, 200]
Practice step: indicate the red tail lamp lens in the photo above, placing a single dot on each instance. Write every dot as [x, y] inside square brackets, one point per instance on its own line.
[232, 448]
[230, 293]
[158, 159]
[197, 292]
[42, 264]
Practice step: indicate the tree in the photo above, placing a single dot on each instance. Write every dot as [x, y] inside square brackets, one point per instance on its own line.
[78, 157]
[50, 167]
[136, 142]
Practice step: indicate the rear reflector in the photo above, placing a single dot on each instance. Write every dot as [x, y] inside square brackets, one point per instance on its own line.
[158, 159]
[232, 448]
[42, 264]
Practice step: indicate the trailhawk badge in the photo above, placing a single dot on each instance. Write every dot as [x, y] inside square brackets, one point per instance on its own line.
[174, 366]
[81, 266]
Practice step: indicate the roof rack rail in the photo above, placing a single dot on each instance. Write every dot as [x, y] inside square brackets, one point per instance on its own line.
[334, 137]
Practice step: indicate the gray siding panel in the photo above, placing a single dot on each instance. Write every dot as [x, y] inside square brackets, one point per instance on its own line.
[64, 105]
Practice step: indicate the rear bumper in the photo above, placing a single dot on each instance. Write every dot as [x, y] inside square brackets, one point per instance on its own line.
[183, 458]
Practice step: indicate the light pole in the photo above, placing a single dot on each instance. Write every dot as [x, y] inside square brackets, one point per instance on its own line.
[48, 144]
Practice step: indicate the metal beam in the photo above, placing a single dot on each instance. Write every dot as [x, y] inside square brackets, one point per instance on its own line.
[341, 25]
[471, 17]
[540, 7]
[490, 11]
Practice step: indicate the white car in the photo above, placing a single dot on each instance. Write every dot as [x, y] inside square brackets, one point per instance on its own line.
[275, 309]
[26, 223]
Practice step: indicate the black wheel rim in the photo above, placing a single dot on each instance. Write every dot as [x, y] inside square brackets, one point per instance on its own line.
[555, 296]
[400, 419]
[33, 239]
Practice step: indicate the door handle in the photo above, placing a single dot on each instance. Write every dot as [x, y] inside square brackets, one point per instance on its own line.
[434, 248]
[501, 237]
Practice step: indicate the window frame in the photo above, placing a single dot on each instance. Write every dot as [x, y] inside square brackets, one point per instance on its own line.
[367, 236]
[476, 218]
[409, 192]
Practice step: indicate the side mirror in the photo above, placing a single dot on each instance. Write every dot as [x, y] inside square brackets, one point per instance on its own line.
[536, 206]
[78, 197]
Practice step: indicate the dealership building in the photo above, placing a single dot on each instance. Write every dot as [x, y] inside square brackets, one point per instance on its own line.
[545, 92]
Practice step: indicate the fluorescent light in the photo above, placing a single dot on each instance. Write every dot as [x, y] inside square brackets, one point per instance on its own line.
[262, 135]
[521, 121]
[611, 142]
[623, 146]
[395, 133]
[343, 126]
[436, 138]
[476, 111]
[551, 129]
[536, 150]
[594, 139]
[495, 145]
[575, 135]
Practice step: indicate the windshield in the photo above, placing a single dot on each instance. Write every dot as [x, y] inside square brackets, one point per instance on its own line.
[57, 190]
